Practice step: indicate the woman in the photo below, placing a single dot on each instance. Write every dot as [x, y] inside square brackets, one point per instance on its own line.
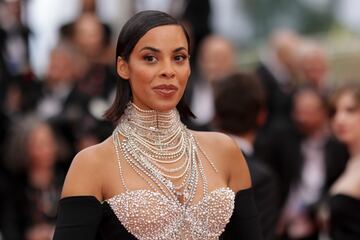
[154, 178]
[32, 155]
[344, 202]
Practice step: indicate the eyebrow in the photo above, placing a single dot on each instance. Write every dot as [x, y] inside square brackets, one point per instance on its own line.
[157, 50]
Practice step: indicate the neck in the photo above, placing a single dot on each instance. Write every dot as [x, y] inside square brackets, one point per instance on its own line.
[151, 121]
[319, 132]
[39, 168]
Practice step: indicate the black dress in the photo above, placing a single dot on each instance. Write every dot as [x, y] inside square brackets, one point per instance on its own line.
[344, 217]
[85, 218]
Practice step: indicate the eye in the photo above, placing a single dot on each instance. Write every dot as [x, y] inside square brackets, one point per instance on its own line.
[150, 59]
[351, 109]
[180, 58]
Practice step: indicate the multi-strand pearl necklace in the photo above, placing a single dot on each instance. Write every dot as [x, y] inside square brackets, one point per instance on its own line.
[162, 151]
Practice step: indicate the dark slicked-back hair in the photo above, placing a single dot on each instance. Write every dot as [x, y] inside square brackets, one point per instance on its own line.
[239, 99]
[133, 30]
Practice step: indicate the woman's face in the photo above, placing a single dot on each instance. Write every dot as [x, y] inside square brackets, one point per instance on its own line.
[346, 122]
[42, 146]
[158, 68]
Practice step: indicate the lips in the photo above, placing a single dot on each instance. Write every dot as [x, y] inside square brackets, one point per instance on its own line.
[165, 90]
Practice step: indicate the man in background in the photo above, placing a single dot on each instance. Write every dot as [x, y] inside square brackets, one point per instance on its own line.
[239, 112]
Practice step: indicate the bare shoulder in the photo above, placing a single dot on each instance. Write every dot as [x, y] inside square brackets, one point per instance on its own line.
[228, 155]
[212, 137]
[85, 175]
[221, 143]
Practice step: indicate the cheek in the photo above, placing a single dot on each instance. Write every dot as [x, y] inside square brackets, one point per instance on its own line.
[184, 74]
[182, 81]
[356, 124]
[142, 72]
[140, 78]
[347, 126]
[352, 122]
[184, 77]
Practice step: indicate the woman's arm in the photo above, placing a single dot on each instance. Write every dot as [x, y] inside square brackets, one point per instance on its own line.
[80, 212]
[244, 222]
[239, 175]
[84, 177]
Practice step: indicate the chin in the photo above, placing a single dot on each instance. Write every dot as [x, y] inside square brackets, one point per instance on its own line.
[344, 138]
[163, 106]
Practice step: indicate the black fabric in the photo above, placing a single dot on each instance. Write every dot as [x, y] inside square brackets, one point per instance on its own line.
[278, 100]
[85, 218]
[286, 159]
[266, 195]
[110, 227]
[9, 226]
[344, 217]
[197, 15]
[244, 222]
[78, 218]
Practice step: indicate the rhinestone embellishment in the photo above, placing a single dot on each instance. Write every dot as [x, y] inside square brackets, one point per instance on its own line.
[165, 154]
[150, 215]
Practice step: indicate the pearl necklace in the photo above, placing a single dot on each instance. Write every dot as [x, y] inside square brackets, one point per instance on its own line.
[162, 151]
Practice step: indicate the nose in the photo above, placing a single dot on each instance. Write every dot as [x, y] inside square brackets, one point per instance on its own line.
[167, 70]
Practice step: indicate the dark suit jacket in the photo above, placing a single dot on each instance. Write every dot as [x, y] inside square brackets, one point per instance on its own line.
[24, 33]
[266, 194]
[9, 227]
[285, 158]
[279, 102]
[197, 14]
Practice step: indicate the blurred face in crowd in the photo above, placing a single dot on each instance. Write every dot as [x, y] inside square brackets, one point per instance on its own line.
[158, 68]
[346, 121]
[41, 146]
[216, 58]
[285, 43]
[10, 13]
[61, 68]
[309, 112]
[314, 67]
[89, 35]
[88, 5]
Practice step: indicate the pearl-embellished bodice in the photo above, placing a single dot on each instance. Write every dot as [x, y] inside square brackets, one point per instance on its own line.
[150, 215]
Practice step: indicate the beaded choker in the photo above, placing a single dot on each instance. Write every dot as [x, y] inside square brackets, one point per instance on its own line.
[162, 151]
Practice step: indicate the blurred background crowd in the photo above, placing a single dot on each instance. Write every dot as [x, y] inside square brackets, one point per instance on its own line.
[262, 71]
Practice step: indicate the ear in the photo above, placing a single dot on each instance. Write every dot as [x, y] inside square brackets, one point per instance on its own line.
[122, 68]
[189, 68]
